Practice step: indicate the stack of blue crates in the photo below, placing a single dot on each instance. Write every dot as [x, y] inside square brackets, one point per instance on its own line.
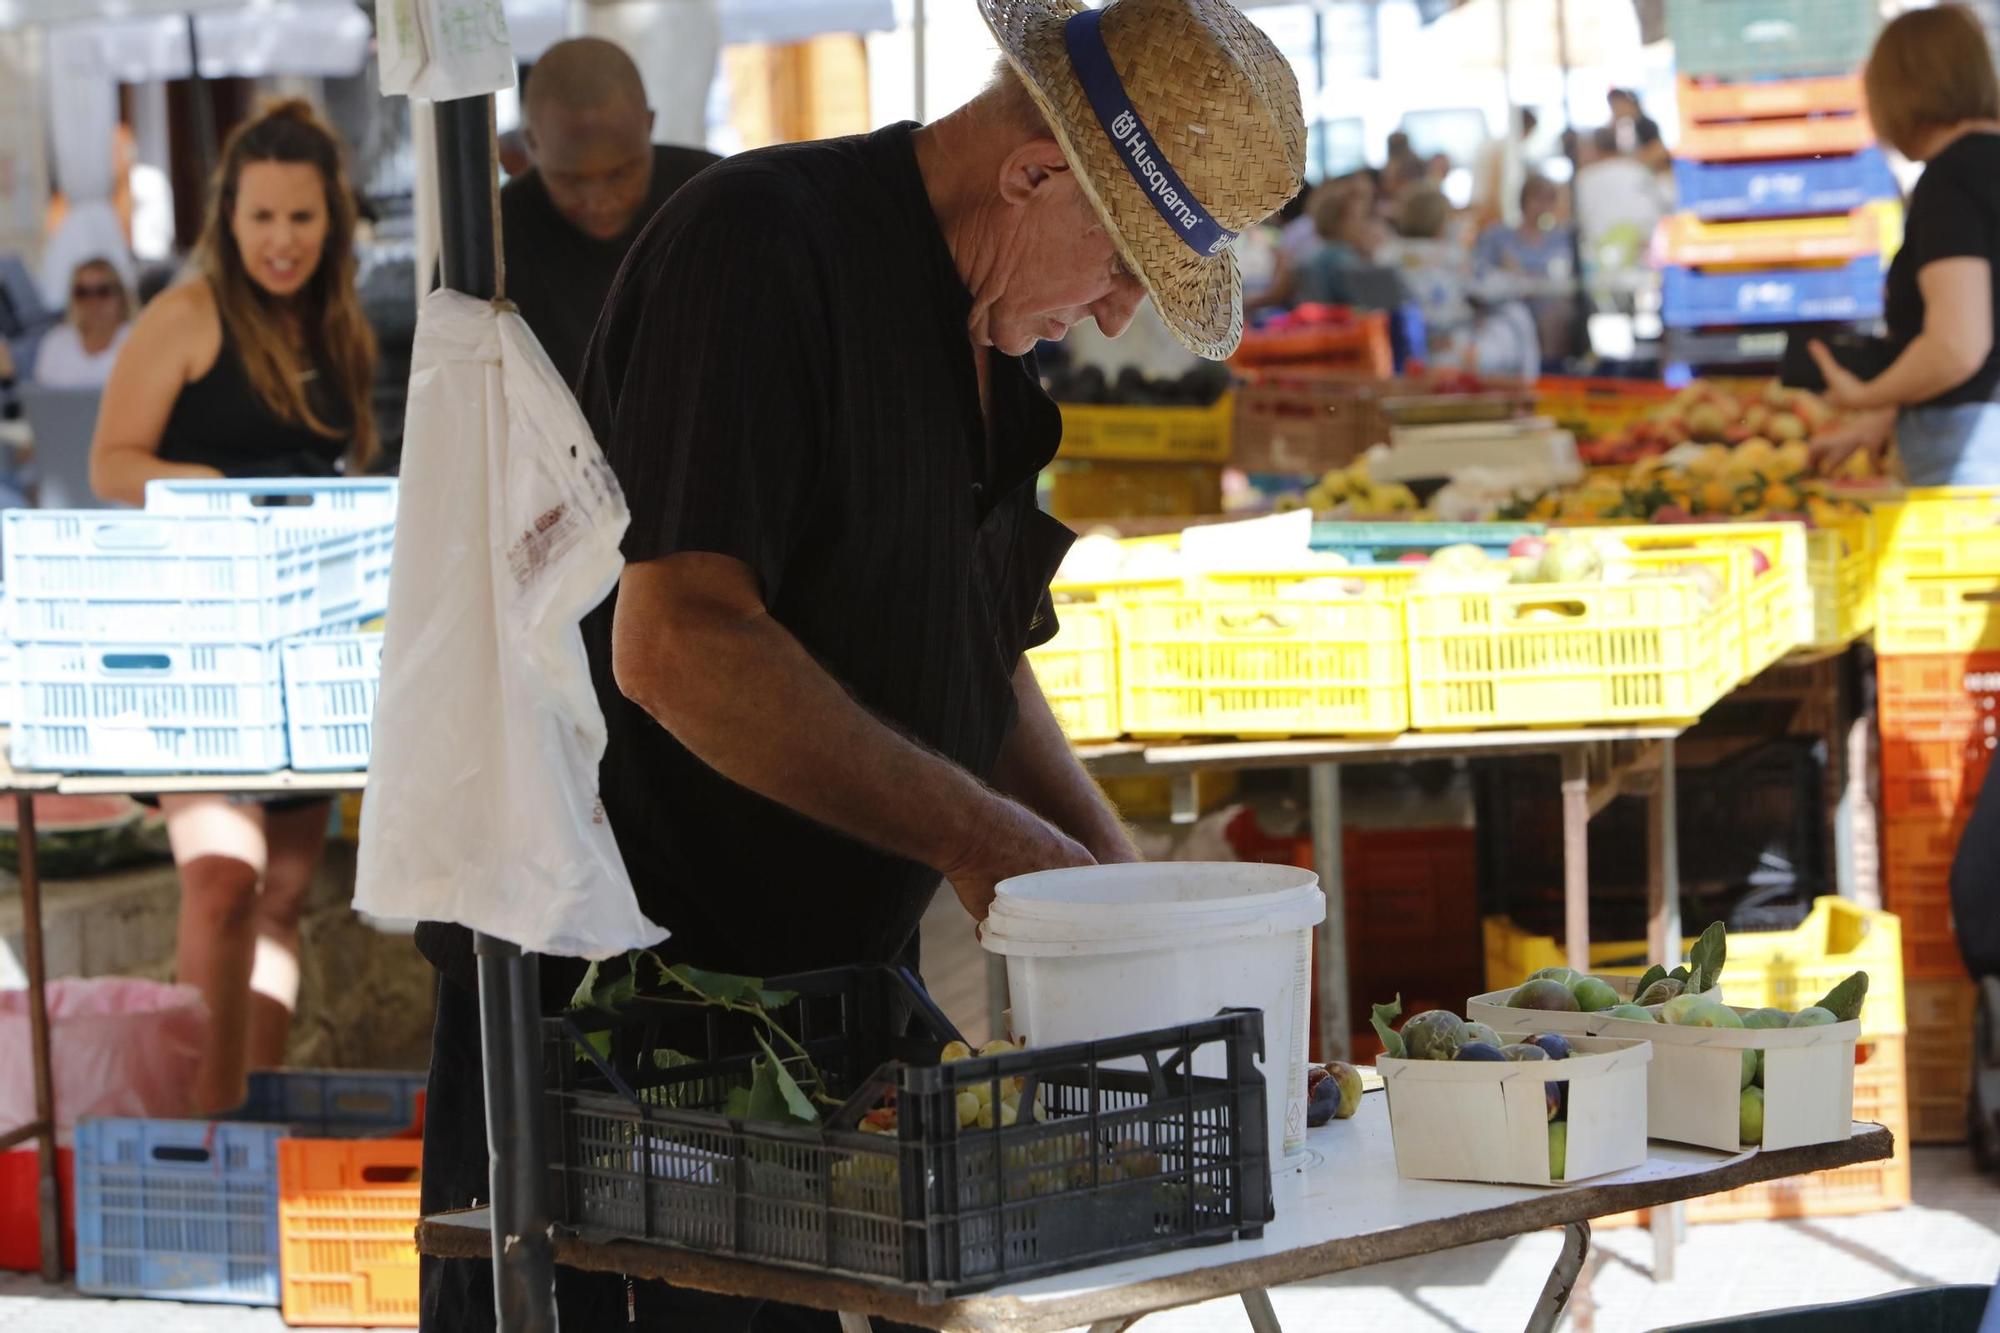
[1734, 317]
[187, 1210]
[153, 641]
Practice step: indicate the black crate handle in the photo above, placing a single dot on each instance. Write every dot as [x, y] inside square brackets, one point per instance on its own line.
[929, 1006]
[575, 1034]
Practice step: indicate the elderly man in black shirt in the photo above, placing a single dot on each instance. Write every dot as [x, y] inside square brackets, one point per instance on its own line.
[597, 180]
[814, 379]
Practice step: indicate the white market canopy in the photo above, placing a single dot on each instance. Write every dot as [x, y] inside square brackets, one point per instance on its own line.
[1540, 34]
[138, 41]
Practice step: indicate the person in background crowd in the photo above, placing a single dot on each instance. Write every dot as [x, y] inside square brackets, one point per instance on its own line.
[1311, 272]
[1501, 167]
[78, 353]
[258, 366]
[1354, 241]
[1617, 203]
[1932, 94]
[1633, 129]
[1496, 337]
[1540, 249]
[597, 179]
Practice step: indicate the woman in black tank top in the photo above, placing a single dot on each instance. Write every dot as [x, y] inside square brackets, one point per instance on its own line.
[258, 367]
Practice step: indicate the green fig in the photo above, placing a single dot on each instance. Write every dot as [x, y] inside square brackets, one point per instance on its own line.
[1750, 1116]
[1566, 975]
[1543, 993]
[1812, 1017]
[1480, 1032]
[1593, 996]
[1631, 1013]
[1435, 1034]
[1559, 1149]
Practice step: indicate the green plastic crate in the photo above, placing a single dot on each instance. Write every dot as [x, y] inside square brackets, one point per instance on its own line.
[1770, 39]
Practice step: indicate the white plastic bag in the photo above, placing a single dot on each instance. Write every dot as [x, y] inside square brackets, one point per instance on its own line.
[119, 1046]
[482, 801]
[443, 49]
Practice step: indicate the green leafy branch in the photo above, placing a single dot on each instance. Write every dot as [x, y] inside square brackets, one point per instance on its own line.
[775, 1092]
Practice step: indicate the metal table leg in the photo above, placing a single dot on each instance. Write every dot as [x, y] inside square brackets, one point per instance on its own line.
[48, 1200]
[1663, 946]
[1330, 944]
[855, 1323]
[1576, 856]
[1562, 1279]
[509, 1024]
[1263, 1319]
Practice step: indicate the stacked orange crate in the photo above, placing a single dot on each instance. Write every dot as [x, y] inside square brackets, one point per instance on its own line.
[1940, 720]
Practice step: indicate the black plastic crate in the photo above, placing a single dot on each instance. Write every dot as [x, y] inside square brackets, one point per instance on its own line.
[1137, 1152]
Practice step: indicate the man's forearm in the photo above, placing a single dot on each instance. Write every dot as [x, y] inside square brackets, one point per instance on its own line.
[749, 701]
[1037, 768]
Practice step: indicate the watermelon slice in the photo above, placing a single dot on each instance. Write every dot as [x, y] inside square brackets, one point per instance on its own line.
[84, 835]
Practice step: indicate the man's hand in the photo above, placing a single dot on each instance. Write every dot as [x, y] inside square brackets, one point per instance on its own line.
[1865, 430]
[1008, 840]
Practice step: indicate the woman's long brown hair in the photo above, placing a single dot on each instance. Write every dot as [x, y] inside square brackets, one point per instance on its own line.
[327, 306]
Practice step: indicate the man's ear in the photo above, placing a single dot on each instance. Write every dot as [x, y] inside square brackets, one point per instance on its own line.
[528, 141]
[1030, 168]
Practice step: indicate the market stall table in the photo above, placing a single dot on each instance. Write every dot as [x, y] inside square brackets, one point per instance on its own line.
[1347, 1209]
[23, 786]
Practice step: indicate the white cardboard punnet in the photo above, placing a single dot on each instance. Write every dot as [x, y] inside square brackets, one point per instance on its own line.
[1488, 1121]
[1694, 1085]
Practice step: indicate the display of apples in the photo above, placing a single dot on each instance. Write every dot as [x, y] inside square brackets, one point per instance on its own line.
[1352, 492]
[1765, 416]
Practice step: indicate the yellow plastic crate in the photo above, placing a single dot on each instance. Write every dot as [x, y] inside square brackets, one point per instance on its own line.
[1958, 613]
[1531, 655]
[1149, 434]
[1777, 605]
[1241, 657]
[1781, 969]
[1939, 530]
[1078, 672]
[1082, 489]
[1840, 566]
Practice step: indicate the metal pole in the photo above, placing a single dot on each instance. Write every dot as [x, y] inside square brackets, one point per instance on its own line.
[1576, 857]
[202, 110]
[1335, 1023]
[48, 1201]
[919, 62]
[1579, 332]
[509, 982]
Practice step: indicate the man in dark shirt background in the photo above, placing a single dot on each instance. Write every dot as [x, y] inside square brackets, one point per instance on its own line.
[598, 178]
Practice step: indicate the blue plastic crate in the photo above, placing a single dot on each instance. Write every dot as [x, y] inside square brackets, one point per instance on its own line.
[183, 1210]
[330, 687]
[334, 1103]
[150, 708]
[1770, 39]
[1699, 298]
[187, 1210]
[209, 577]
[1787, 187]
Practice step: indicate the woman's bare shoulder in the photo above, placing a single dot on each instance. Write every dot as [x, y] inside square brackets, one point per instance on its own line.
[181, 319]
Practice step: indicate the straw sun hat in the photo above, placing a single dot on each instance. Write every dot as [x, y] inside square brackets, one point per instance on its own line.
[1182, 123]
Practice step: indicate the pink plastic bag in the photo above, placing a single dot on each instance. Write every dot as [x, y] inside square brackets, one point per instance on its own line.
[120, 1046]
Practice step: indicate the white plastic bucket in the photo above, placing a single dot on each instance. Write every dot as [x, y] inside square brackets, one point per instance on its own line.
[1103, 951]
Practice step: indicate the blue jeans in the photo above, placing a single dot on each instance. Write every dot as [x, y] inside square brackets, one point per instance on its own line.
[1950, 446]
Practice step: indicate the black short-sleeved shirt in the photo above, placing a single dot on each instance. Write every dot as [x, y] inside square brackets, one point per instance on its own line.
[1954, 214]
[782, 374]
[556, 275]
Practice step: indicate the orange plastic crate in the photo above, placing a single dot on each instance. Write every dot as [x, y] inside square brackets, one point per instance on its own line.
[1940, 722]
[1916, 886]
[1940, 1059]
[1594, 408]
[1805, 136]
[1704, 100]
[1360, 344]
[1686, 239]
[347, 1227]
